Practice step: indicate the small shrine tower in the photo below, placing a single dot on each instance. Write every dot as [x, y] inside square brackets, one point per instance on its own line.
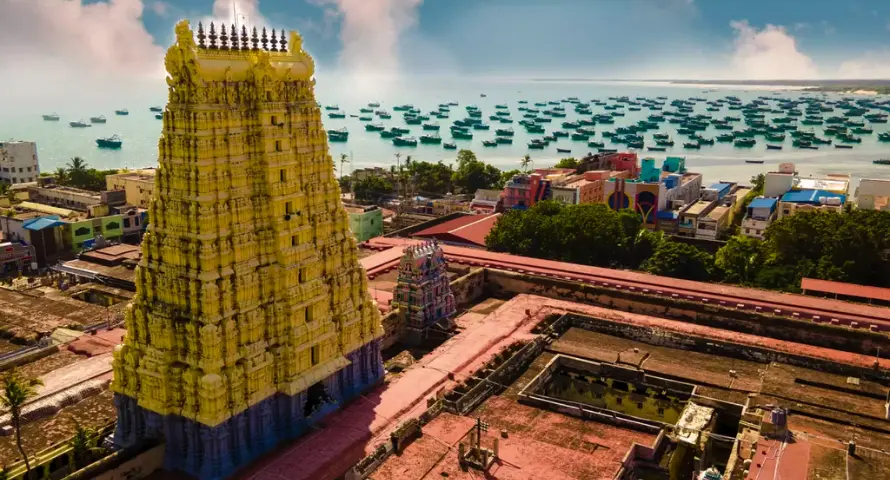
[252, 317]
[423, 293]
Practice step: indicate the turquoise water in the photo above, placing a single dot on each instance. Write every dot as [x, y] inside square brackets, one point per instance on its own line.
[57, 142]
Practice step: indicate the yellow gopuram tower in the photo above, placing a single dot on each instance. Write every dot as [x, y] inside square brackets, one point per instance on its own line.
[252, 316]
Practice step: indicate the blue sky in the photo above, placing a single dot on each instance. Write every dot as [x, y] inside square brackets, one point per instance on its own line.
[596, 38]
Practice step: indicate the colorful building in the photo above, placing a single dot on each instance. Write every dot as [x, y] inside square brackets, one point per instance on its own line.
[18, 162]
[656, 193]
[252, 318]
[423, 293]
[523, 191]
[809, 201]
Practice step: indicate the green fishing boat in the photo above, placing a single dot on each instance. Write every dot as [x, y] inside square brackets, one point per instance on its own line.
[431, 127]
[339, 135]
[404, 141]
[745, 142]
[504, 132]
[431, 139]
[374, 127]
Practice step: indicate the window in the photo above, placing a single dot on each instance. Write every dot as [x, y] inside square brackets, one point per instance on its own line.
[136, 221]
[293, 240]
[268, 95]
[21, 170]
[30, 179]
[15, 180]
[274, 120]
[314, 355]
[619, 400]
[282, 175]
[277, 145]
[288, 207]
[661, 410]
[302, 274]
[640, 405]
[29, 169]
[126, 223]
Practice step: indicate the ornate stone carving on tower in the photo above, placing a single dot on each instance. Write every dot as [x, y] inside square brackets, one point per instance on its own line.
[423, 293]
[252, 316]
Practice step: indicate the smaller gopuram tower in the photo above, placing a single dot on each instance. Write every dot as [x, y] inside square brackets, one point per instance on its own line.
[423, 293]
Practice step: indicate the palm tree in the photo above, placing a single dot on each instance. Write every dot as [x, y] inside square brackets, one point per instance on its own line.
[76, 165]
[525, 162]
[343, 160]
[17, 390]
[61, 176]
[84, 444]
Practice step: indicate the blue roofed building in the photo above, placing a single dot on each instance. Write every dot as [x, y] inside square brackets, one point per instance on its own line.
[810, 200]
[760, 214]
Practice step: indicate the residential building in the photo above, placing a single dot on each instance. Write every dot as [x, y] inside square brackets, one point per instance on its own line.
[657, 193]
[714, 223]
[138, 184]
[16, 257]
[810, 200]
[690, 216]
[524, 191]
[94, 204]
[761, 213]
[556, 176]
[487, 201]
[252, 319]
[365, 222]
[18, 162]
[873, 194]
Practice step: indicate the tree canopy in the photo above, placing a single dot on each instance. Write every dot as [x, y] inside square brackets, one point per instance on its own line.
[429, 177]
[680, 260]
[472, 174]
[371, 188]
[570, 162]
[77, 173]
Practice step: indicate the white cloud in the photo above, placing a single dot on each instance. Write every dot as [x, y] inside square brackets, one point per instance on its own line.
[768, 54]
[105, 37]
[871, 66]
[161, 9]
[370, 33]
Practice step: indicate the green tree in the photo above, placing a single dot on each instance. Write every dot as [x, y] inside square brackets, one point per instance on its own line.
[77, 171]
[740, 259]
[17, 391]
[505, 177]
[680, 260]
[430, 178]
[472, 174]
[61, 176]
[758, 181]
[371, 188]
[570, 162]
[645, 243]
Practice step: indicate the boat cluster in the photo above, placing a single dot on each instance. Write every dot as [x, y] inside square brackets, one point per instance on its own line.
[771, 120]
[112, 142]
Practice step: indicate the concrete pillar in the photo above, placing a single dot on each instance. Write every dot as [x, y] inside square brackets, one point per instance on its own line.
[851, 448]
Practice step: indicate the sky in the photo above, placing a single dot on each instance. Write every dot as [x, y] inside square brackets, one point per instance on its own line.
[112, 46]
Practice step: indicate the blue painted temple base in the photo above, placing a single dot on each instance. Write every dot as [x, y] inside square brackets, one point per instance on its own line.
[216, 452]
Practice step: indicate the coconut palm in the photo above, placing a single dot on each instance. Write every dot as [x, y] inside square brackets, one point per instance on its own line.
[525, 161]
[17, 391]
[84, 444]
[61, 176]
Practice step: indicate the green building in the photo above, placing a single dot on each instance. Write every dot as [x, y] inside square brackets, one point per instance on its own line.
[365, 222]
[76, 233]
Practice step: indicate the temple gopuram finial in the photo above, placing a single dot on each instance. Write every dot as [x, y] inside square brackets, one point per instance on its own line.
[223, 38]
[201, 36]
[283, 42]
[244, 45]
[265, 40]
[254, 40]
[212, 37]
[234, 32]
[274, 42]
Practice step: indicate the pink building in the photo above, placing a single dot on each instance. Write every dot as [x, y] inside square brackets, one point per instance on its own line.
[523, 191]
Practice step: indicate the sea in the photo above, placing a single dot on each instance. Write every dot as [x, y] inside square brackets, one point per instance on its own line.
[57, 142]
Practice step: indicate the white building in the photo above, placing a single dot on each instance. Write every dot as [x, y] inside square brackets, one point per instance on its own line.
[18, 162]
[873, 194]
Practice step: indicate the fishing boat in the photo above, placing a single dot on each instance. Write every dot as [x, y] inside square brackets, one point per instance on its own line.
[884, 137]
[461, 135]
[504, 140]
[773, 147]
[596, 144]
[52, 117]
[564, 150]
[366, 110]
[656, 149]
[692, 146]
[159, 116]
[404, 141]
[843, 146]
[122, 111]
[365, 119]
[745, 142]
[339, 135]
[337, 114]
[374, 127]
[608, 150]
[79, 124]
[383, 114]
[882, 161]
[504, 132]
[334, 107]
[450, 146]
[99, 119]
[155, 109]
[580, 136]
[431, 139]
[489, 143]
[754, 161]
[374, 104]
[536, 145]
[113, 141]
[431, 126]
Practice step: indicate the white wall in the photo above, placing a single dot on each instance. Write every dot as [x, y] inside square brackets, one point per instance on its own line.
[18, 162]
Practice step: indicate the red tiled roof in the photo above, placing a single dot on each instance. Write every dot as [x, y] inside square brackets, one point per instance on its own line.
[471, 229]
[846, 289]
